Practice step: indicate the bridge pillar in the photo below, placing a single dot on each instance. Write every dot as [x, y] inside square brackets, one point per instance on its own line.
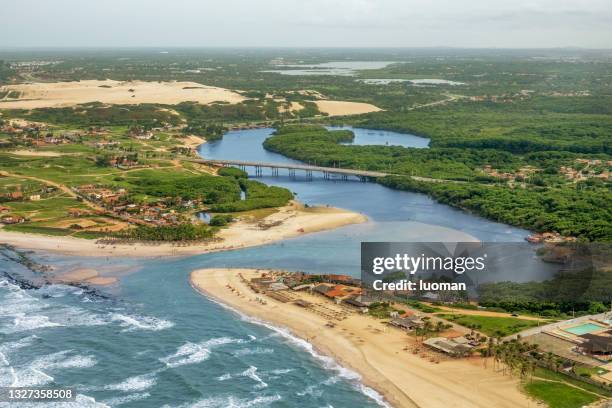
[309, 174]
[344, 177]
[291, 172]
[275, 171]
[258, 171]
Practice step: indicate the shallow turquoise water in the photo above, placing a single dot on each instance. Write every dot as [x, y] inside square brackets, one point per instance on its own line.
[155, 342]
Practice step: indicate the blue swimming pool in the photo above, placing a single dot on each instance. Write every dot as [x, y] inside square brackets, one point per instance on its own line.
[584, 328]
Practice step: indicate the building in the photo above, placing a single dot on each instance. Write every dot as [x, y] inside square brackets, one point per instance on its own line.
[407, 323]
[363, 308]
[11, 219]
[453, 347]
[597, 344]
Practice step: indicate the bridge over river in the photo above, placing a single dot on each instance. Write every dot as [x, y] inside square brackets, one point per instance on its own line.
[364, 175]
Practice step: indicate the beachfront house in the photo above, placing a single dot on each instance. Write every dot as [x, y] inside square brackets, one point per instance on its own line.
[407, 323]
[456, 347]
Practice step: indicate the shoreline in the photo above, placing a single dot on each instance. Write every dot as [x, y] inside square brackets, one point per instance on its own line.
[365, 345]
[289, 221]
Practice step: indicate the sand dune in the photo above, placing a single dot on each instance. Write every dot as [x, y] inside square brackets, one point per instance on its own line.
[38, 153]
[340, 108]
[58, 94]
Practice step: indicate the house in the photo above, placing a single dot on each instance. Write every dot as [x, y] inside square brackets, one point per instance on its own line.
[357, 304]
[597, 344]
[11, 219]
[322, 289]
[277, 286]
[407, 323]
[15, 195]
[35, 197]
[451, 347]
[4, 210]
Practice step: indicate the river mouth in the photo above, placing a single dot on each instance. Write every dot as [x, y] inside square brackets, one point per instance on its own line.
[172, 335]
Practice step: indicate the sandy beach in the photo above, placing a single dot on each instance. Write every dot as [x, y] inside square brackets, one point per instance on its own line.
[377, 352]
[84, 275]
[290, 221]
[341, 108]
[60, 94]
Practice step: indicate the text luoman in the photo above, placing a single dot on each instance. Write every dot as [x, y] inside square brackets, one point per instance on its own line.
[405, 284]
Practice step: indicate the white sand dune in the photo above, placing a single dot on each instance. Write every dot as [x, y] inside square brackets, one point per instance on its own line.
[341, 108]
[59, 94]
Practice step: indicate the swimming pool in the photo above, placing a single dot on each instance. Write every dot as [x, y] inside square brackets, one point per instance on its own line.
[584, 328]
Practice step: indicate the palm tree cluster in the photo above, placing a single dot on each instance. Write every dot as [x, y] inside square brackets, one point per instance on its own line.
[515, 356]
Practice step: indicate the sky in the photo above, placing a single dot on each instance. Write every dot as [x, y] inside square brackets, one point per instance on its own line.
[306, 23]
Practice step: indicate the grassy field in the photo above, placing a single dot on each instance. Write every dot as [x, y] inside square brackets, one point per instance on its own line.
[558, 395]
[491, 326]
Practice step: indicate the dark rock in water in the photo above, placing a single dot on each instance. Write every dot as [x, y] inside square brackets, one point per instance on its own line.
[21, 282]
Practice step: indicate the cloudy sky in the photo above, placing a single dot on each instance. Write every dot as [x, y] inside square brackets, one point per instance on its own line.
[307, 23]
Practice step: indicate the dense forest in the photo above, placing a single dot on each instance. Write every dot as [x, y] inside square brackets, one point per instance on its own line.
[587, 291]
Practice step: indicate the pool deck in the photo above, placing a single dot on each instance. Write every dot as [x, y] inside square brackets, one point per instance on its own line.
[558, 326]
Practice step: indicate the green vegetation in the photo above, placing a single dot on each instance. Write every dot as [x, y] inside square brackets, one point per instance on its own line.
[258, 195]
[382, 310]
[584, 292]
[97, 114]
[569, 210]
[232, 172]
[422, 307]
[559, 395]
[220, 220]
[504, 139]
[491, 326]
[522, 129]
[182, 232]
[544, 204]
[208, 189]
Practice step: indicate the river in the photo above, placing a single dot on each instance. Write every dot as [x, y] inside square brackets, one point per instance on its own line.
[154, 342]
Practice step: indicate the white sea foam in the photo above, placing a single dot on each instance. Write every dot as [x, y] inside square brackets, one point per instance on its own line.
[224, 377]
[27, 323]
[230, 402]
[7, 348]
[281, 371]
[136, 383]
[193, 353]
[251, 351]
[327, 362]
[116, 401]
[140, 322]
[251, 372]
[188, 353]
[81, 401]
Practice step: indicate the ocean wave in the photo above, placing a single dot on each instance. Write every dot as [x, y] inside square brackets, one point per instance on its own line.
[27, 323]
[131, 323]
[224, 377]
[116, 401]
[281, 371]
[230, 401]
[251, 372]
[251, 351]
[193, 353]
[327, 362]
[136, 383]
[81, 401]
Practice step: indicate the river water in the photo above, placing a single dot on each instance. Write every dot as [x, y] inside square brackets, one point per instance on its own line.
[154, 342]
